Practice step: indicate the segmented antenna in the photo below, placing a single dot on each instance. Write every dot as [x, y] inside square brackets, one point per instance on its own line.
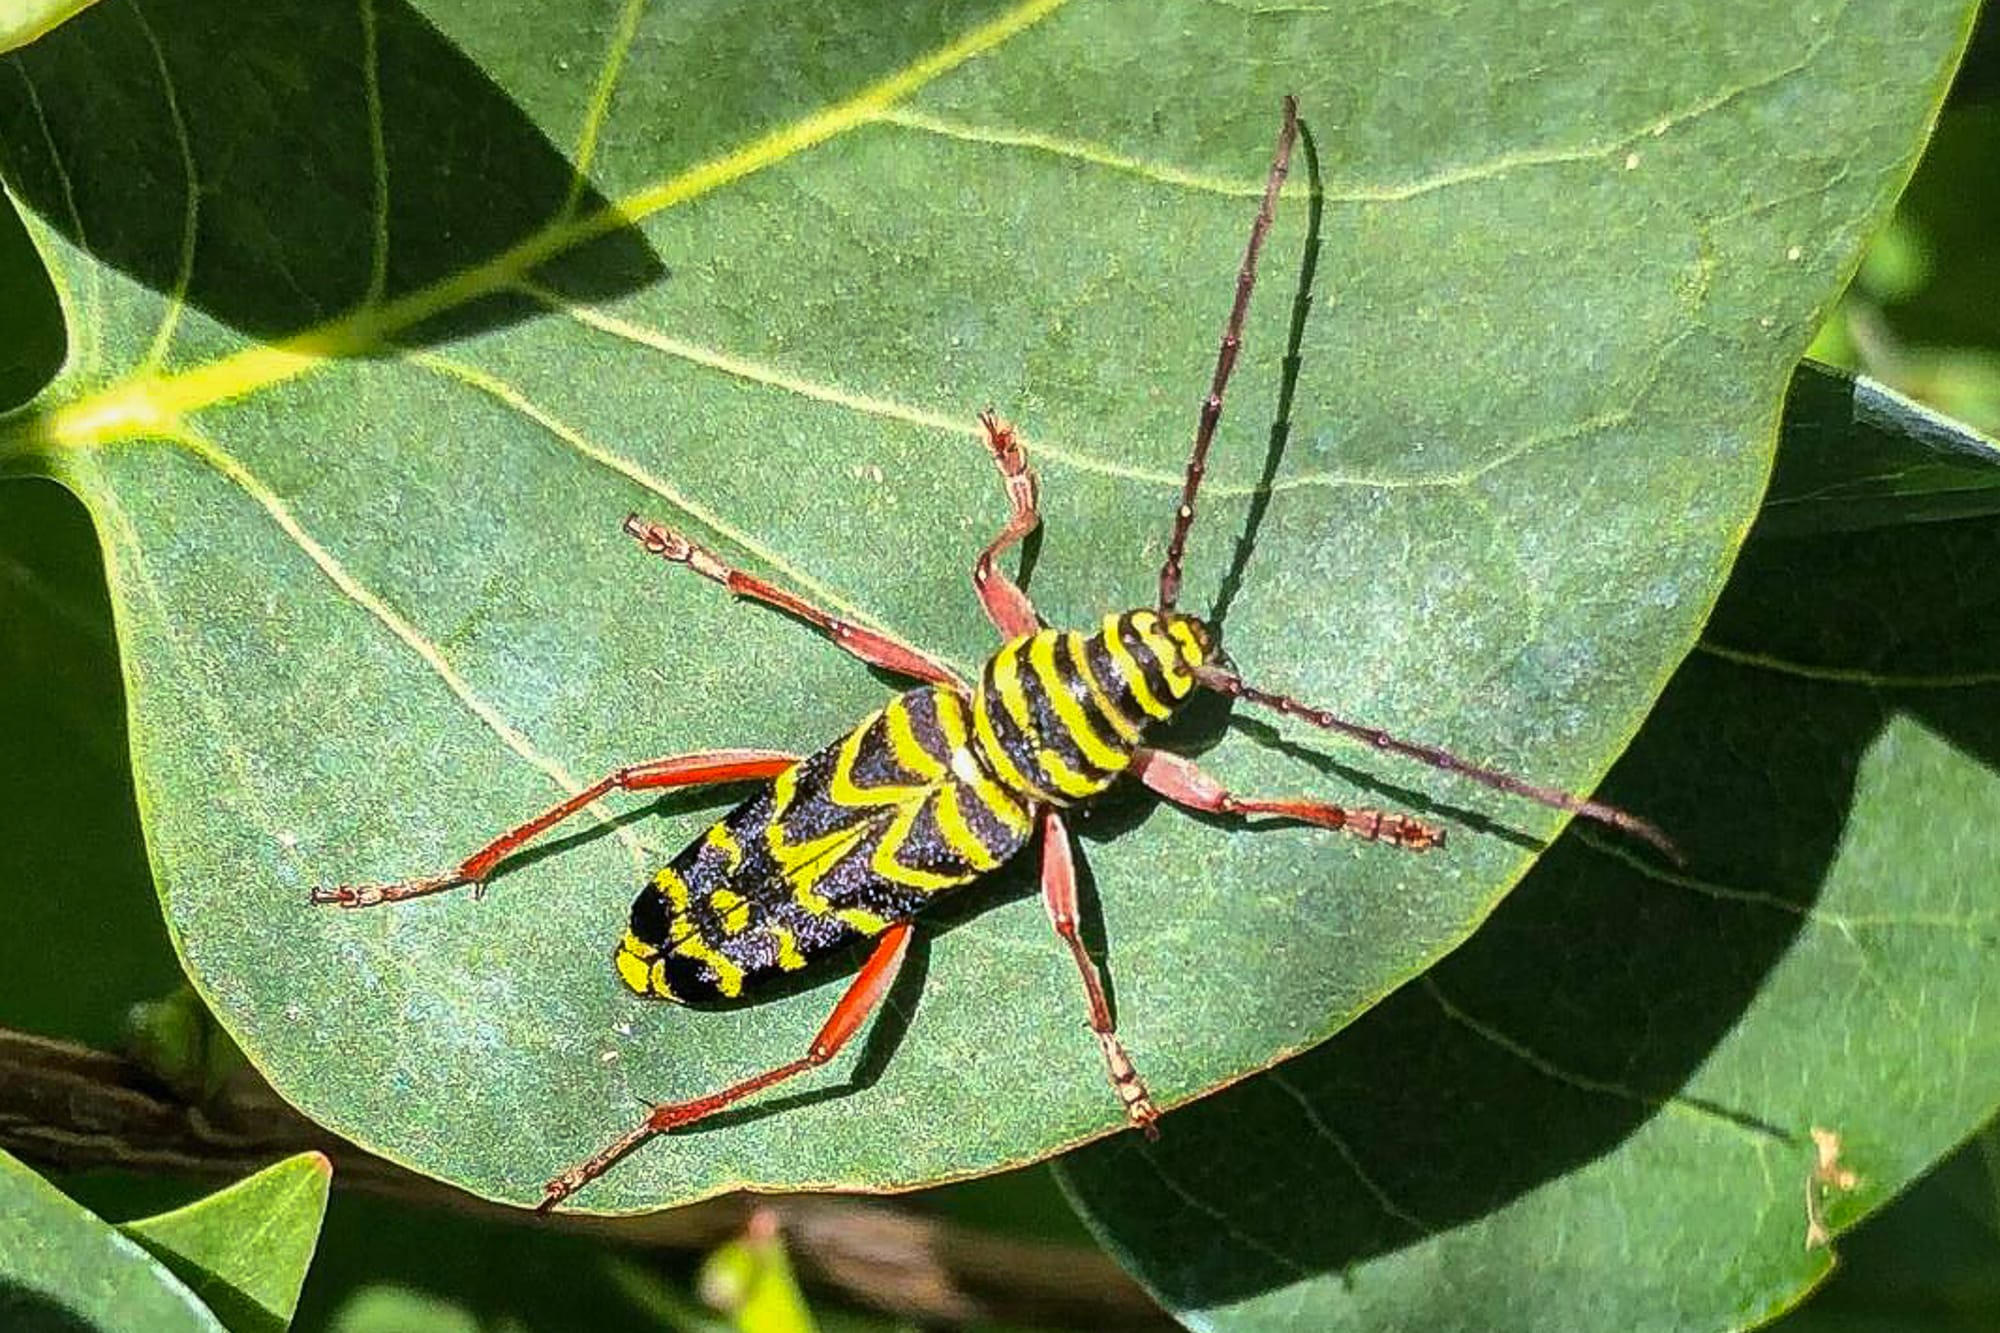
[1225, 359]
[1224, 682]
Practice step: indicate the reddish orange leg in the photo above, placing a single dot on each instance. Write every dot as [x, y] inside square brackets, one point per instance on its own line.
[872, 646]
[681, 770]
[861, 1000]
[1059, 896]
[1181, 782]
[1006, 605]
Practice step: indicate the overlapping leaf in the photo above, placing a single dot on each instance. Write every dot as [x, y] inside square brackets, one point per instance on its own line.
[1607, 1110]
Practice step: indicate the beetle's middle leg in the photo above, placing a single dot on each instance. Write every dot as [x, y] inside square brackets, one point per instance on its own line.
[1059, 896]
[1006, 605]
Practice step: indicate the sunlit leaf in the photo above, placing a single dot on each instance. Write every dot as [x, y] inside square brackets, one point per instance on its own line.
[245, 1249]
[62, 1268]
[382, 318]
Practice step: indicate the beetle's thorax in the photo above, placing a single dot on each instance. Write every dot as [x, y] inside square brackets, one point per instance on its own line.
[1058, 713]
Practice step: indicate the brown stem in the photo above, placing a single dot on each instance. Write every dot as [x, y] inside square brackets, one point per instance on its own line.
[68, 1107]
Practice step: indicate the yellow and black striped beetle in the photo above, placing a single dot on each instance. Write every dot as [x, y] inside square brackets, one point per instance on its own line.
[942, 785]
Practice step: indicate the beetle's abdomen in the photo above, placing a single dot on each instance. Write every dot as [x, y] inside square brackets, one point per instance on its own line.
[862, 834]
[1058, 713]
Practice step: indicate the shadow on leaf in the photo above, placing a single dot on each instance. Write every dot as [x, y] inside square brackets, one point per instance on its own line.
[324, 147]
[1589, 1000]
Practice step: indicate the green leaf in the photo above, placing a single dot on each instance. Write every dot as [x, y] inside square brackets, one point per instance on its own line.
[452, 292]
[31, 324]
[245, 1249]
[1930, 1260]
[62, 1269]
[750, 1280]
[1599, 1112]
[1859, 455]
[22, 21]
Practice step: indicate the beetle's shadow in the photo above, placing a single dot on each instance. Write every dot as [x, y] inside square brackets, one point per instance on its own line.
[721, 796]
[1288, 384]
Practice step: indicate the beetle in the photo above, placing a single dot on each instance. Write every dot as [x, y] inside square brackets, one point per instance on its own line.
[937, 789]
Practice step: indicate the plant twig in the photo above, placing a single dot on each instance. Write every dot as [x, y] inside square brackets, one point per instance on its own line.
[68, 1107]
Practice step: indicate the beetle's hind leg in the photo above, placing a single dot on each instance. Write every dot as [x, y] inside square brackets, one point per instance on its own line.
[1006, 605]
[861, 999]
[1059, 896]
[682, 770]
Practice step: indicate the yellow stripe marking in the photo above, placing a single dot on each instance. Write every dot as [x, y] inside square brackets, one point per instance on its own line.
[885, 864]
[804, 864]
[1171, 667]
[1135, 676]
[1007, 683]
[1079, 656]
[672, 887]
[840, 788]
[634, 961]
[1067, 780]
[958, 833]
[809, 898]
[909, 751]
[1190, 646]
[996, 754]
[789, 957]
[966, 768]
[863, 920]
[720, 838]
[728, 975]
[1042, 659]
[634, 971]
[730, 909]
[129, 410]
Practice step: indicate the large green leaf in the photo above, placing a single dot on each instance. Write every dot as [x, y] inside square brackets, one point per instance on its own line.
[62, 1270]
[1599, 1113]
[380, 322]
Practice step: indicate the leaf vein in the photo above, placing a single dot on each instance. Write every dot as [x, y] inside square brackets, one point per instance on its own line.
[93, 327]
[599, 110]
[1073, 149]
[131, 410]
[1838, 675]
[176, 297]
[378, 158]
[1222, 1220]
[1755, 1130]
[510, 396]
[232, 469]
[1340, 1146]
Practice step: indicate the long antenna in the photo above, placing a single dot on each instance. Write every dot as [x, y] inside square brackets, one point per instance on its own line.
[1224, 682]
[1225, 359]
